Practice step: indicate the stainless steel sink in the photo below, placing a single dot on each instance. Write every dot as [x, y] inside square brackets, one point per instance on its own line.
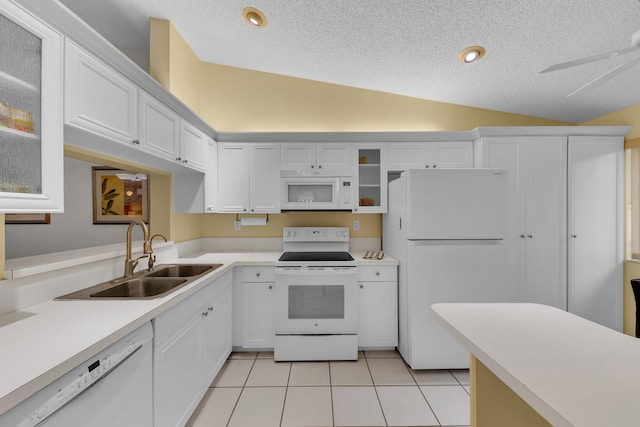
[182, 270]
[145, 284]
[143, 287]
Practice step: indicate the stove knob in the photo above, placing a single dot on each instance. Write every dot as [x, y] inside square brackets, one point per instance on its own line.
[293, 234]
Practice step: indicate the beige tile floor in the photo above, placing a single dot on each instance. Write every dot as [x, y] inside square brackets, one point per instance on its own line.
[377, 390]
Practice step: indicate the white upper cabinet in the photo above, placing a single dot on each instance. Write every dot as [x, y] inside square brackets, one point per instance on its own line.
[99, 99]
[31, 132]
[193, 146]
[402, 156]
[370, 178]
[317, 158]
[159, 128]
[102, 106]
[248, 178]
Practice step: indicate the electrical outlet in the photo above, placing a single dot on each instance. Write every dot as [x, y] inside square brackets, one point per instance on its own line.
[236, 225]
[356, 224]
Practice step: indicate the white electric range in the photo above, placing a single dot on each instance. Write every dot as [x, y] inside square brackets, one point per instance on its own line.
[316, 315]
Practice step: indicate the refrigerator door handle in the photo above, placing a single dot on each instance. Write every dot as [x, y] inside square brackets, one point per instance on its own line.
[400, 223]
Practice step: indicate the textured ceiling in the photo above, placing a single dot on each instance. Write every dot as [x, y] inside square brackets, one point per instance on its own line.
[407, 47]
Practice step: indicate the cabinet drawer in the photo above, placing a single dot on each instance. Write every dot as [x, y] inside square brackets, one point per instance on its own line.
[258, 274]
[385, 273]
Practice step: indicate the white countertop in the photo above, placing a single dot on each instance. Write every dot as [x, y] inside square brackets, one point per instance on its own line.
[42, 342]
[572, 371]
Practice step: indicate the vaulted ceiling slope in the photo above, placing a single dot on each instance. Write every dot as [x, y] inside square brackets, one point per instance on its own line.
[408, 47]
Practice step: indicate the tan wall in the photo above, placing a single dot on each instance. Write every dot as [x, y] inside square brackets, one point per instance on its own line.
[221, 225]
[239, 100]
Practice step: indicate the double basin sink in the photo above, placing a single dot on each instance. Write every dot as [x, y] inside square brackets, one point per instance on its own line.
[146, 284]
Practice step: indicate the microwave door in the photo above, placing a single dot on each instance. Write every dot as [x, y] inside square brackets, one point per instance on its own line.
[310, 194]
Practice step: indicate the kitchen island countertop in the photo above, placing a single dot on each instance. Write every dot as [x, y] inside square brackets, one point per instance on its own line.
[571, 371]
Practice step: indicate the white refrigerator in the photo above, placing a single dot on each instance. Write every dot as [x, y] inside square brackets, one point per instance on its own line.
[446, 227]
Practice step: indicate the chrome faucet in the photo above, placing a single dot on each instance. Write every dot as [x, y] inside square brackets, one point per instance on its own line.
[130, 264]
[152, 257]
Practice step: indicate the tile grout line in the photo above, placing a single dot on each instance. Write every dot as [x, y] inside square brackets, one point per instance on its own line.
[241, 391]
[286, 392]
[375, 389]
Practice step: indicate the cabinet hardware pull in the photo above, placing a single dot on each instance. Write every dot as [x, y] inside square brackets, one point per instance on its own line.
[426, 166]
[210, 308]
[574, 236]
[361, 286]
[319, 166]
[178, 159]
[257, 274]
[135, 141]
[530, 236]
[205, 314]
[522, 235]
[270, 286]
[434, 166]
[312, 166]
[185, 161]
[377, 273]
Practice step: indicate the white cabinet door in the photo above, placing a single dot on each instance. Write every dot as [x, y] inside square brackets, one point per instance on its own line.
[403, 156]
[193, 146]
[334, 158]
[378, 322]
[264, 186]
[177, 374]
[233, 178]
[322, 158]
[536, 197]
[258, 301]
[298, 156]
[99, 99]
[455, 154]
[31, 133]
[217, 327]
[595, 229]
[211, 177]
[545, 202]
[159, 128]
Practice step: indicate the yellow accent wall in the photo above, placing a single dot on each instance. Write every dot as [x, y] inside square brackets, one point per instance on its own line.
[239, 100]
[221, 225]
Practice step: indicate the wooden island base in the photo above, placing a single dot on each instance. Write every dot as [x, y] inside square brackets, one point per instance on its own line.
[494, 404]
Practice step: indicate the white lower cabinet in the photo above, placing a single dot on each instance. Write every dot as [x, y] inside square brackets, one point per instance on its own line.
[258, 301]
[191, 343]
[378, 306]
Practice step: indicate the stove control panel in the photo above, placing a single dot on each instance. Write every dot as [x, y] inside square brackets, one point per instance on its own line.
[315, 234]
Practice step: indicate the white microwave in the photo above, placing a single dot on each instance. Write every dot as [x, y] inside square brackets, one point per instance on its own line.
[316, 193]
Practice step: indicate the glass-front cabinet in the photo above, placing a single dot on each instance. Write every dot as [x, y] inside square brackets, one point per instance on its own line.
[371, 179]
[31, 128]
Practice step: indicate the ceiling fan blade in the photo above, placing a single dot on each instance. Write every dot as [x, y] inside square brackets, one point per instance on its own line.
[589, 59]
[607, 76]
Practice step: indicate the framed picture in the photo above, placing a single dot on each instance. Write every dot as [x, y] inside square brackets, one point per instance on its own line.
[37, 218]
[119, 196]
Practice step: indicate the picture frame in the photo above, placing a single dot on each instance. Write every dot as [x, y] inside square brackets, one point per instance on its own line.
[119, 196]
[36, 218]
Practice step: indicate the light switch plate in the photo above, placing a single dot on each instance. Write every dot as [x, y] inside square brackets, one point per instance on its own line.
[236, 225]
[356, 224]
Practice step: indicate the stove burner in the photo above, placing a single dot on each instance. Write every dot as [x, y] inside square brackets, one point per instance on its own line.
[316, 256]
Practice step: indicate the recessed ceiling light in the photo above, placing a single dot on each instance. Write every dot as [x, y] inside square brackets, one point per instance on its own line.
[254, 17]
[471, 54]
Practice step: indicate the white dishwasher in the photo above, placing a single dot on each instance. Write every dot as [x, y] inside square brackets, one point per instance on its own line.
[113, 388]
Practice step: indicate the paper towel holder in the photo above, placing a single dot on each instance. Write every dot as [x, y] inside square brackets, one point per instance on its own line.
[251, 220]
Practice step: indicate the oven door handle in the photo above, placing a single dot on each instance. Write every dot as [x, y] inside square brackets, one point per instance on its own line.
[316, 272]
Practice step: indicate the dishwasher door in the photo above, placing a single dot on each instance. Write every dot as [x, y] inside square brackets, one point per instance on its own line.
[113, 388]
